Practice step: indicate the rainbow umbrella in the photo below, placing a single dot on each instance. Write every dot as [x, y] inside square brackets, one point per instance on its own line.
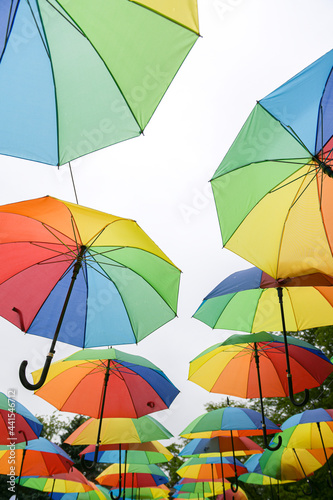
[252, 301]
[134, 475]
[312, 429]
[211, 468]
[227, 445]
[124, 385]
[256, 358]
[17, 424]
[97, 493]
[151, 452]
[292, 463]
[273, 189]
[148, 492]
[119, 430]
[102, 69]
[106, 383]
[71, 482]
[230, 495]
[203, 488]
[81, 276]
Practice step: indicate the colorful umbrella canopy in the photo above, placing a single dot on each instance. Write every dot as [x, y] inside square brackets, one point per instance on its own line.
[220, 422]
[210, 468]
[248, 301]
[292, 463]
[256, 358]
[203, 488]
[252, 301]
[151, 452]
[230, 495]
[273, 189]
[81, 276]
[102, 70]
[71, 482]
[227, 445]
[241, 354]
[17, 424]
[97, 493]
[312, 429]
[119, 430]
[255, 475]
[134, 475]
[130, 457]
[38, 457]
[130, 386]
[149, 492]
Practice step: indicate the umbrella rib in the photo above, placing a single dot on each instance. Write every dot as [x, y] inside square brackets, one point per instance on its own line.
[71, 22]
[34, 18]
[315, 169]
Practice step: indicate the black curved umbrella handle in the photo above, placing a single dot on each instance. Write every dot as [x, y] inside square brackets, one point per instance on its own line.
[330, 479]
[38, 385]
[270, 447]
[309, 491]
[119, 495]
[234, 485]
[291, 393]
[93, 463]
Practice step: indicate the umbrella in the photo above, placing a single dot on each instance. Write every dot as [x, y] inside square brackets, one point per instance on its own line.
[312, 429]
[81, 276]
[255, 475]
[148, 492]
[102, 70]
[125, 385]
[97, 493]
[292, 463]
[220, 422]
[106, 383]
[227, 445]
[230, 495]
[273, 189]
[151, 452]
[247, 301]
[211, 468]
[203, 488]
[17, 424]
[135, 475]
[119, 430]
[38, 457]
[256, 358]
[71, 482]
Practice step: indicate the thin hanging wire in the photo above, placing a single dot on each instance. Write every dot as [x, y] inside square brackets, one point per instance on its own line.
[70, 169]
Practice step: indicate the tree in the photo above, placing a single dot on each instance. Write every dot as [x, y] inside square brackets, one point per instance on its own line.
[279, 409]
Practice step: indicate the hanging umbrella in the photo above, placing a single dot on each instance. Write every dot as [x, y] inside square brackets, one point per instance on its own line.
[125, 385]
[227, 445]
[256, 358]
[17, 424]
[273, 189]
[312, 429]
[71, 482]
[106, 383]
[211, 468]
[81, 276]
[38, 457]
[204, 488]
[292, 463]
[151, 452]
[119, 430]
[102, 70]
[97, 493]
[230, 495]
[148, 492]
[252, 301]
[135, 475]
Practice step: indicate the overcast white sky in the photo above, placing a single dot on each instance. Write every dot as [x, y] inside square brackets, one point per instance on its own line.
[248, 48]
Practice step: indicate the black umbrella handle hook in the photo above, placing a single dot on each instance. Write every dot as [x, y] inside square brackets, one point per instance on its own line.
[291, 393]
[38, 385]
[266, 445]
[309, 491]
[234, 485]
[93, 463]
